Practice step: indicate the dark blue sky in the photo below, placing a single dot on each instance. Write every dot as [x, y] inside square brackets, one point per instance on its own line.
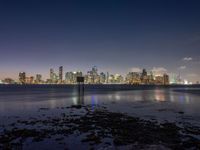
[115, 35]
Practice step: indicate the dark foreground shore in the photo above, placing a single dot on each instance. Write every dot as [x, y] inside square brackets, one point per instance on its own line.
[97, 127]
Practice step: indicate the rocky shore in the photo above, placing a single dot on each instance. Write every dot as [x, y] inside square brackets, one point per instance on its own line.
[97, 126]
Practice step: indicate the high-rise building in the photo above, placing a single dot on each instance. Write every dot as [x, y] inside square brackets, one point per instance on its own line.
[159, 80]
[102, 77]
[94, 70]
[107, 77]
[88, 77]
[30, 80]
[144, 77]
[133, 78]
[92, 76]
[22, 77]
[69, 77]
[79, 74]
[55, 78]
[8, 81]
[179, 79]
[144, 72]
[165, 79]
[150, 78]
[119, 78]
[51, 74]
[38, 78]
[111, 79]
[60, 74]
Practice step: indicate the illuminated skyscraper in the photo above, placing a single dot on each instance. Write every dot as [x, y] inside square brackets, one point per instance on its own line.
[22, 77]
[150, 78]
[92, 76]
[30, 80]
[8, 81]
[159, 80]
[179, 79]
[144, 72]
[94, 70]
[79, 74]
[144, 77]
[165, 79]
[133, 78]
[102, 77]
[38, 78]
[119, 78]
[51, 74]
[60, 74]
[75, 75]
[111, 78]
[69, 77]
[107, 77]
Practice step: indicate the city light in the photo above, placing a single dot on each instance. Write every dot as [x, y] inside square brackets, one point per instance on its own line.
[92, 76]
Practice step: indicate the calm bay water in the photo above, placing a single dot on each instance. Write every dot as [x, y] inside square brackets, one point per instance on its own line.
[156, 103]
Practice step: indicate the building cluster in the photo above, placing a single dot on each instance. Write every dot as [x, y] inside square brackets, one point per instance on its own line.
[145, 78]
[176, 79]
[93, 77]
[23, 79]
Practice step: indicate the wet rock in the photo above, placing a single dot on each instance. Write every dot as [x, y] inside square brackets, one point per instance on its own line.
[192, 130]
[92, 137]
[43, 109]
[76, 106]
[181, 112]
[59, 139]
[98, 124]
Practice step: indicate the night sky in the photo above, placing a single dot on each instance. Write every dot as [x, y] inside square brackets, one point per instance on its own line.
[115, 35]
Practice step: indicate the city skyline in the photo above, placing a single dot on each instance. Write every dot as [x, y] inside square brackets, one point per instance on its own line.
[157, 71]
[117, 36]
[95, 76]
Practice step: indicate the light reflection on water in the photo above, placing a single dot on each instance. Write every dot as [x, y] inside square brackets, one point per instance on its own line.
[149, 101]
[159, 95]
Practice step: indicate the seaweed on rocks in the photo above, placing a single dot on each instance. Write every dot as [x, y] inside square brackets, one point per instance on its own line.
[98, 124]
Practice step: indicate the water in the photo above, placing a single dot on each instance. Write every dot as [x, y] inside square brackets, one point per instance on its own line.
[165, 104]
[159, 101]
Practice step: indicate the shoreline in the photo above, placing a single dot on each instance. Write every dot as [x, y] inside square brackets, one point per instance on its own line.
[92, 126]
[99, 86]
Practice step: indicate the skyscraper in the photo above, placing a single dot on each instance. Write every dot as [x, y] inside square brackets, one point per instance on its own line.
[60, 74]
[38, 78]
[118, 78]
[102, 77]
[30, 80]
[144, 72]
[69, 77]
[133, 78]
[94, 74]
[144, 77]
[107, 77]
[22, 77]
[165, 79]
[51, 74]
